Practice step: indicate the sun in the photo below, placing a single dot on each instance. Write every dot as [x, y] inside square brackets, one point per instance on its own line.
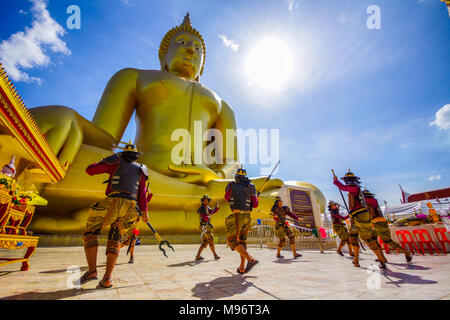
[269, 64]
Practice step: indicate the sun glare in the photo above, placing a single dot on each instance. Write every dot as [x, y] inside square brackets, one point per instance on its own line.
[269, 65]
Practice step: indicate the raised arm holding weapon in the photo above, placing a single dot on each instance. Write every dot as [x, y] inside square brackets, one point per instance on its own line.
[361, 219]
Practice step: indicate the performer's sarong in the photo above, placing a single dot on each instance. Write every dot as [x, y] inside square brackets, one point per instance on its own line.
[118, 213]
[282, 231]
[363, 225]
[237, 226]
[341, 231]
[382, 230]
[207, 234]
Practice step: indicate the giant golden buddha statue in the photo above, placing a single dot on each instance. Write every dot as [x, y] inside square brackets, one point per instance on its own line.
[164, 100]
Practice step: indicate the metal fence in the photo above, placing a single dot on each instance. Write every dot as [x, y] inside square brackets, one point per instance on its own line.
[262, 234]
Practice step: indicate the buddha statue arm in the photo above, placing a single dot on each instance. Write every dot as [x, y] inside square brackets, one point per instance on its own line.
[203, 174]
[65, 131]
[117, 103]
[227, 122]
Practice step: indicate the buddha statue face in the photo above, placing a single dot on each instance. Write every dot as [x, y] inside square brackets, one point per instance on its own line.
[184, 55]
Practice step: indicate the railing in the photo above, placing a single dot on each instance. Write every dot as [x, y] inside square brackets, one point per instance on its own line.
[262, 233]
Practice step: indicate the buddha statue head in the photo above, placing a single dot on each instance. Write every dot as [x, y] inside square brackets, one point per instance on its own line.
[182, 51]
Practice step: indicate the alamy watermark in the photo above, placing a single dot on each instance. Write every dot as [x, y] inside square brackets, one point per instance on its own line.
[74, 20]
[210, 146]
[374, 20]
[374, 280]
[73, 280]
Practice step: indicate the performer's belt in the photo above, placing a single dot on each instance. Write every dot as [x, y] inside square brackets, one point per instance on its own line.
[354, 213]
[240, 211]
[379, 219]
[123, 195]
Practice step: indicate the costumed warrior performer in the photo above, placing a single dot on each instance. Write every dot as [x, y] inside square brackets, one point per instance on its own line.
[242, 197]
[282, 229]
[380, 225]
[207, 237]
[361, 219]
[340, 228]
[125, 189]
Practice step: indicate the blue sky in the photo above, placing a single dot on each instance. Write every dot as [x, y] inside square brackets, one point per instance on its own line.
[357, 98]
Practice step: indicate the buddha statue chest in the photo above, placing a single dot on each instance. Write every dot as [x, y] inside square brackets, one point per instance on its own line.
[174, 102]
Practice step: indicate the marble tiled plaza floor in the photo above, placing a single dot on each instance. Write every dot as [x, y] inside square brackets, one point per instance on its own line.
[313, 276]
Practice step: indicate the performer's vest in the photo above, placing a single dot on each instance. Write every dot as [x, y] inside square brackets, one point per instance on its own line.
[356, 204]
[204, 211]
[375, 212]
[334, 216]
[281, 214]
[240, 198]
[127, 177]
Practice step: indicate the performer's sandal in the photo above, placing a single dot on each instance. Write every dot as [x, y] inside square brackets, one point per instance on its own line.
[88, 276]
[279, 256]
[297, 255]
[340, 253]
[131, 260]
[356, 264]
[250, 265]
[240, 271]
[408, 257]
[217, 257]
[199, 258]
[107, 283]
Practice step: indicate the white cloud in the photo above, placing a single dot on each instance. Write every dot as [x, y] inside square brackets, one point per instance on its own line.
[435, 178]
[292, 4]
[22, 12]
[229, 43]
[28, 49]
[407, 145]
[442, 118]
[127, 2]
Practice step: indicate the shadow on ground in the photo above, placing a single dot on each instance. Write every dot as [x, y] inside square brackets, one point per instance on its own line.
[404, 278]
[288, 261]
[188, 263]
[55, 295]
[224, 287]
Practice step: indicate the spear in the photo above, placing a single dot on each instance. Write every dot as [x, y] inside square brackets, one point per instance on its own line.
[267, 179]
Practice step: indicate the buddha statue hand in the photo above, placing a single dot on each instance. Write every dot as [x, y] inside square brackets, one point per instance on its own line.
[65, 131]
[195, 174]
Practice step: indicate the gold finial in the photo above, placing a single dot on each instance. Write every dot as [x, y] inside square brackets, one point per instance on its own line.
[187, 20]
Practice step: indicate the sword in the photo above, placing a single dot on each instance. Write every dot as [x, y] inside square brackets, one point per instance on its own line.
[267, 179]
[131, 243]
